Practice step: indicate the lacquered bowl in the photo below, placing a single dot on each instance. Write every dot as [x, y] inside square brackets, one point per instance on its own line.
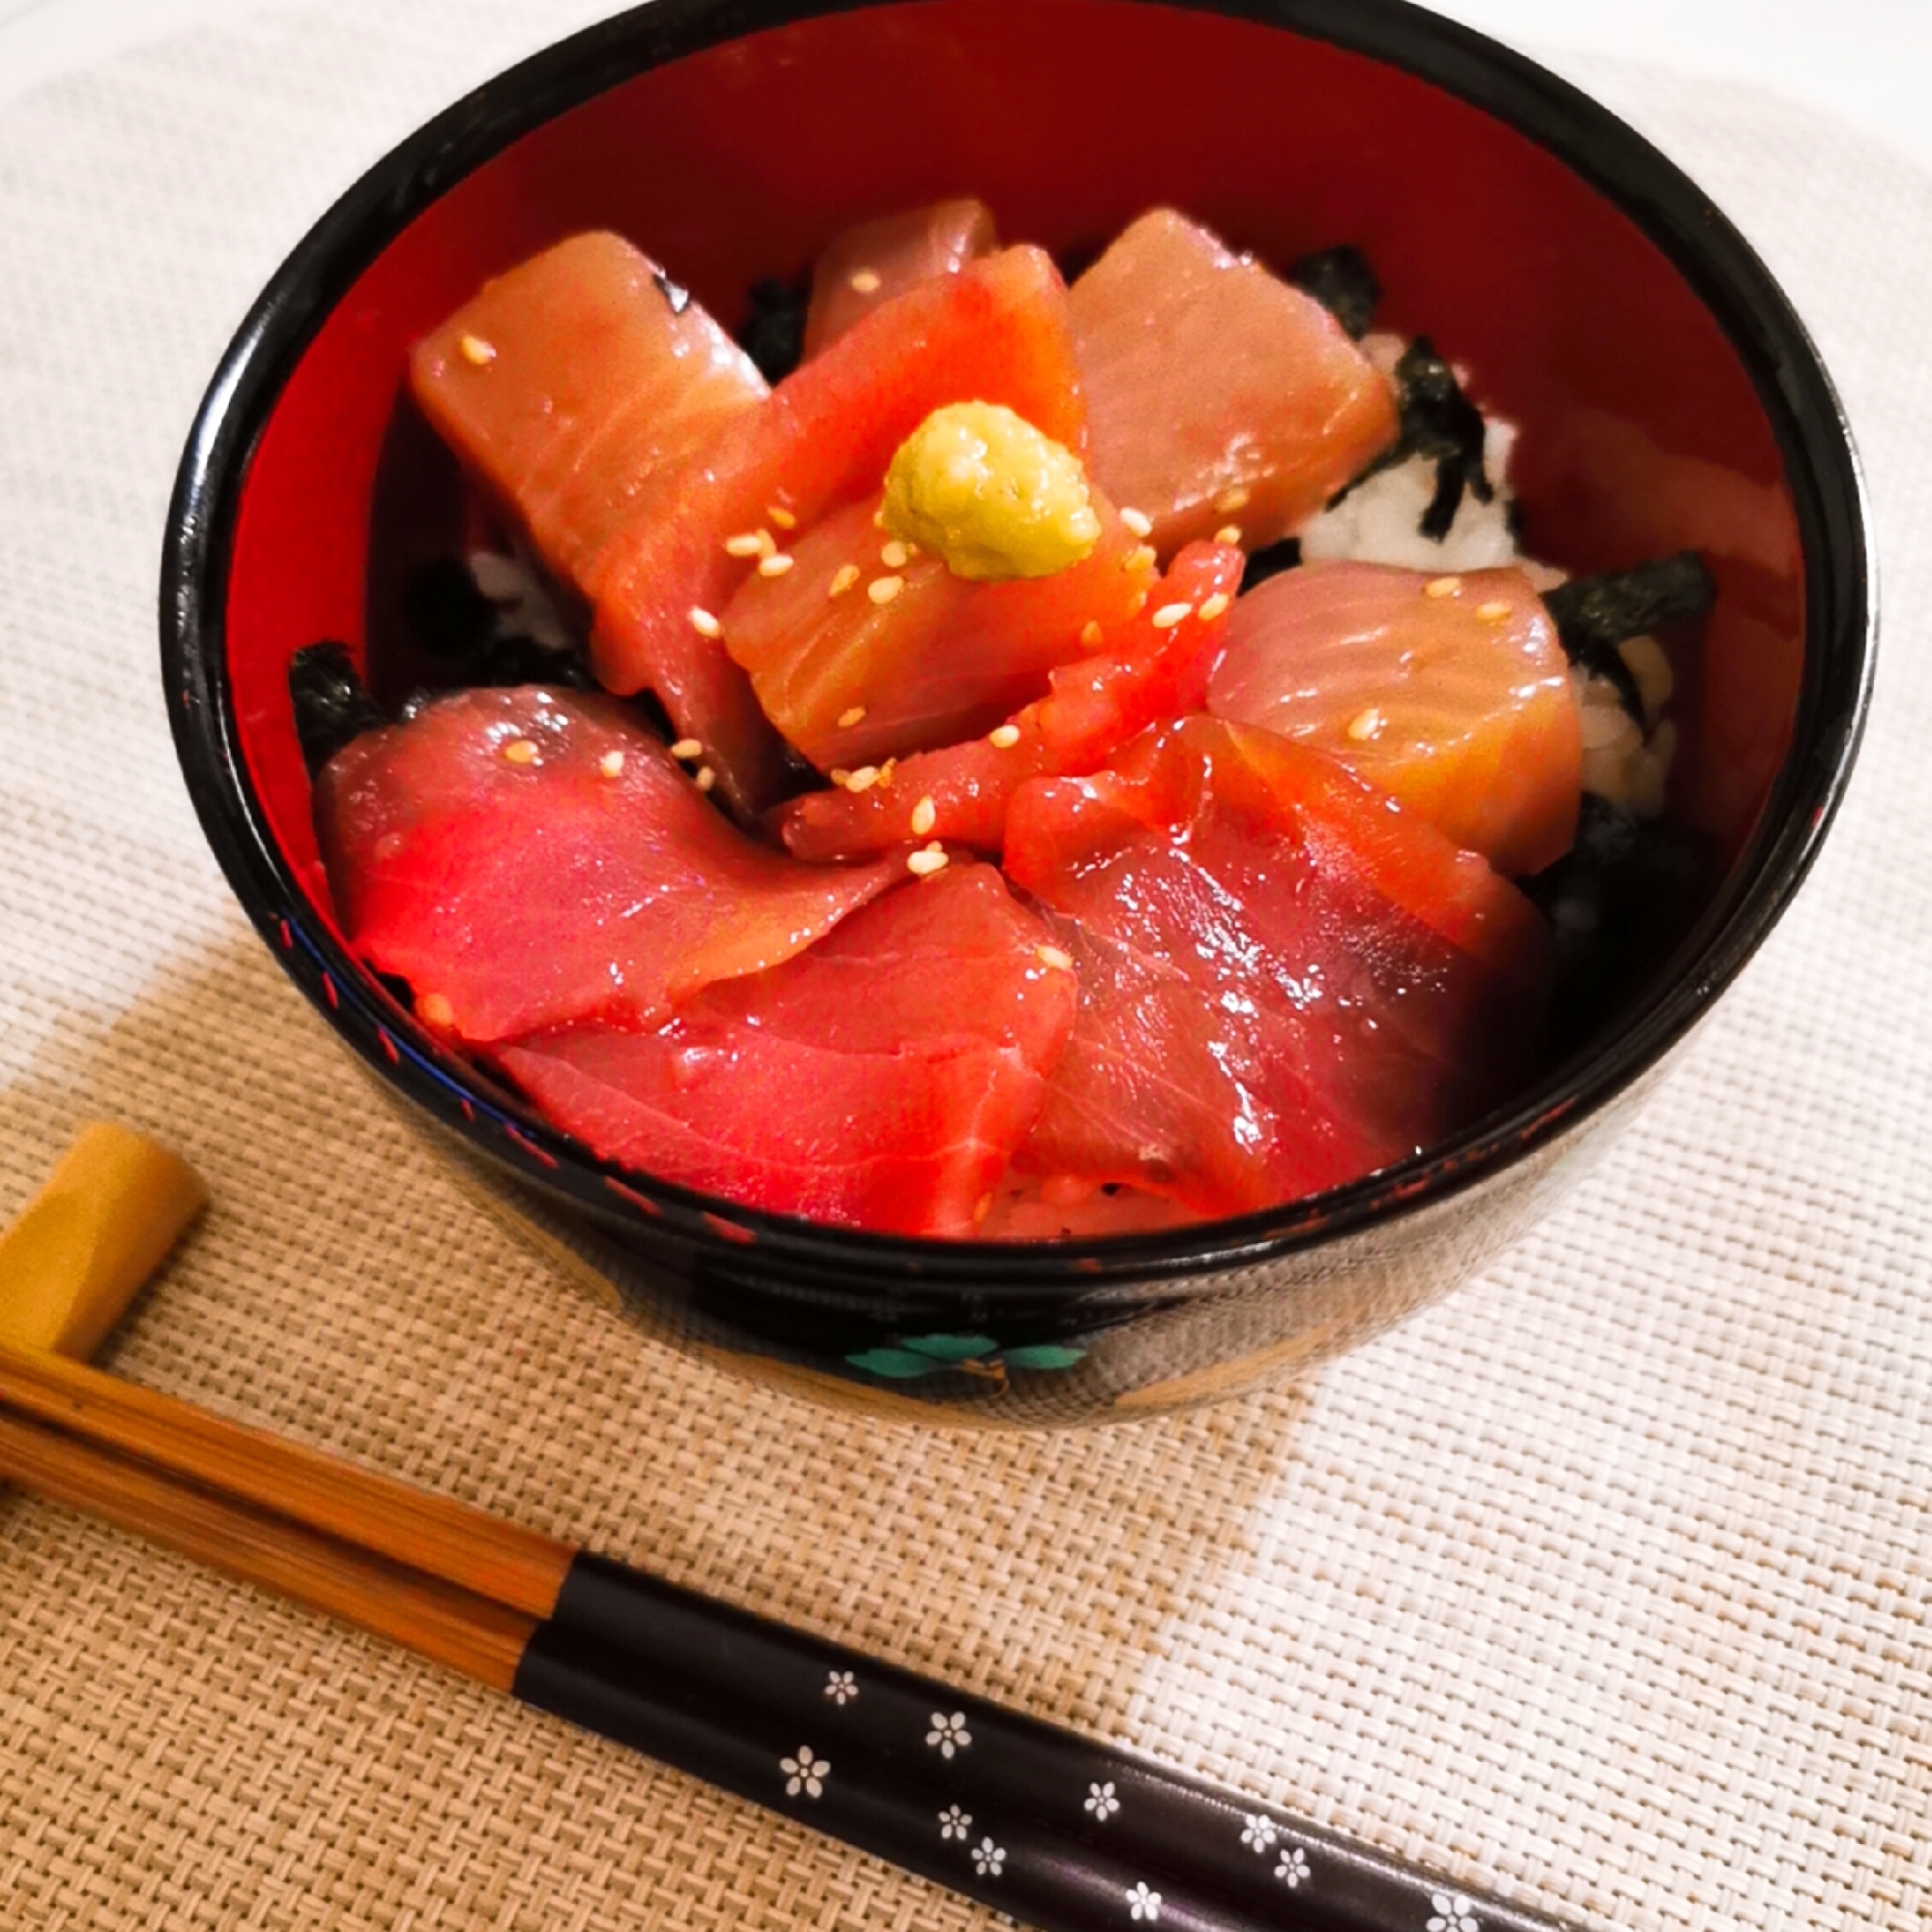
[1669, 398]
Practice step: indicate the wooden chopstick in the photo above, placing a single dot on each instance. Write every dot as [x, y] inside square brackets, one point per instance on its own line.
[437, 1619]
[466, 1547]
[1060, 1829]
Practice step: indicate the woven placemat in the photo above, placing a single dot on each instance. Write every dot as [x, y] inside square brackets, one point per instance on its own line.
[1606, 1583]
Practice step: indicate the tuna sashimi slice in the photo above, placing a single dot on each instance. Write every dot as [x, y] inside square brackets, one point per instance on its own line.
[997, 331]
[527, 859]
[1452, 693]
[852, 679]
[1150, 668]
[1217, 394]
[870, 264]
[577, 390]
[1286, 981]
[882, 1079]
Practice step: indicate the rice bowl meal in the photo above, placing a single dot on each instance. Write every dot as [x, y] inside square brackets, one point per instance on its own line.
[1001, 749]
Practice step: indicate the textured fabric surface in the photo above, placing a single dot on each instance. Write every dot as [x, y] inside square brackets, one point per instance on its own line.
[1608, 1583]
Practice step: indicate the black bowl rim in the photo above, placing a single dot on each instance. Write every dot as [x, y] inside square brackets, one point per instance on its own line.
[1721, 267]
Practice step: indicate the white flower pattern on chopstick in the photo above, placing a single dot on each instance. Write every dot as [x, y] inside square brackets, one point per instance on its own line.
[842, 1686]
[1143, 1904]
[1260, 1833]
[1293, 1866]
[804, 1773]
[1453, 1913]
[949, 1733]
[988, 1859]
[954, 1822]
[1101, 1800]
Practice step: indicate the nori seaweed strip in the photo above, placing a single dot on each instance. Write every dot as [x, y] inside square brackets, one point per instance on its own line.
[773, 333]
[1616, 902]
[1341, 281]
[520, 659]
[451, 618]
[1440, 424]
[332, 705]
[1594, 614]
[1271, 562]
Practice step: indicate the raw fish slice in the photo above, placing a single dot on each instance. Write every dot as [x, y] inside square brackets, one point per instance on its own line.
[870, 264]
[529, 860]
[851, 681]
[1286, 981]
[996, 331]
[1216, 393]
[578, 389]
[573, 387]
[1149, 670]
[1453, 694]
[882, 1079]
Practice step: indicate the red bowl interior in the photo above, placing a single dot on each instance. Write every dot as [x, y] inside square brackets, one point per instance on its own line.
[1642, 432]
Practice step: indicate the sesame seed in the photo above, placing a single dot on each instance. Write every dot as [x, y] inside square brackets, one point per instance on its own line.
[1229, 533]
[687, 748]
[863, 779]
[705, 778]
[1442, 587]
[1091, 635]
[1055, 957]
[840, 776]
[895, 556]
[885, 772]
[775, 565]
[866, 282]
[781, 516]
[611, 764]
[854, 717]
[1364, 725]
[434, 1010]
[704, 622]
[1230, 500]
[1140, 604]
[925, 863]
[878, 517]
[1142, 558]
[748, 543]
[925, 816]
[1004, 737]
[475, 350]
[1170, 615]
[1138, 522]
[843, 579]
[1214, 606]
[981, 1208]
[520, 751]
[882, 589]
[1494, 613]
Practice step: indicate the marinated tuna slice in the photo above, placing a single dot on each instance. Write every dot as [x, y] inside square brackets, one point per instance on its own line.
[1451, 693]
[1218, 393]
[870, 264]
[527, 859]
[997, 331]
[1286, 981]
[1150, 668]
[574, 387]
[882, 1079]
[864, 651]
[578, 389]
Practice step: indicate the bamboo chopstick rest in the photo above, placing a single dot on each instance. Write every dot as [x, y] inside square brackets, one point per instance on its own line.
[80, 1250]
